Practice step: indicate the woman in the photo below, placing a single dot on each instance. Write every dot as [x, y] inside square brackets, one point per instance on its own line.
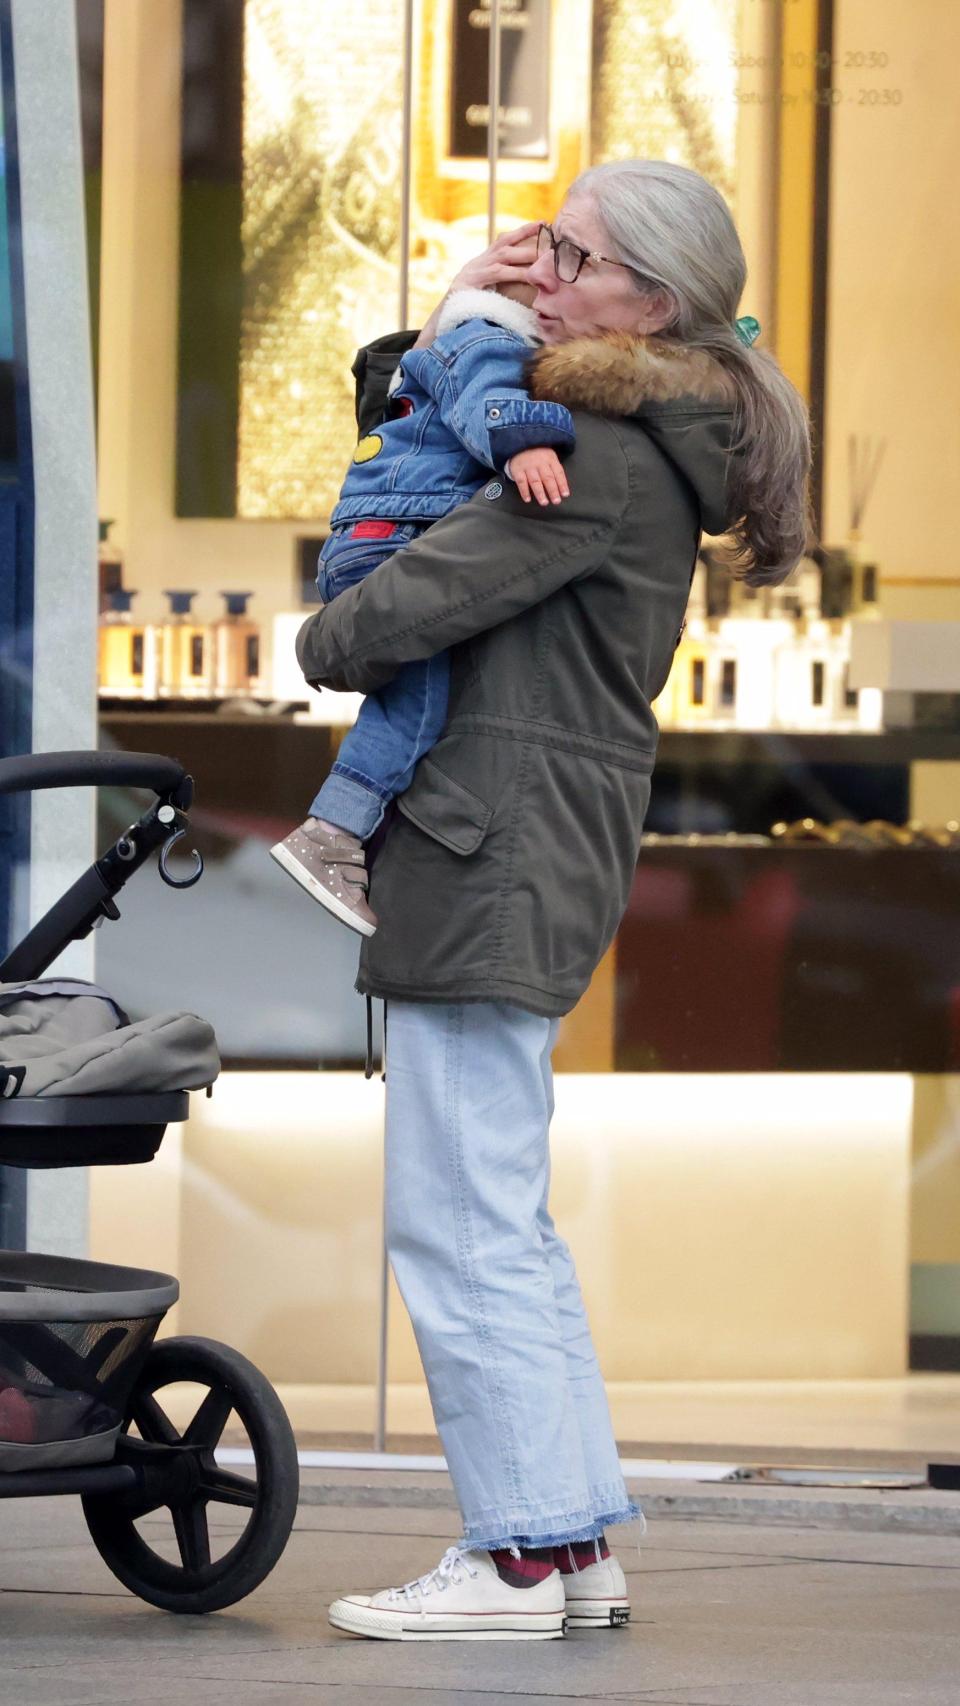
[504, 876]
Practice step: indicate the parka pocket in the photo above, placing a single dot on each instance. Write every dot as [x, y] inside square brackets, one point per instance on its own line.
[444, 809]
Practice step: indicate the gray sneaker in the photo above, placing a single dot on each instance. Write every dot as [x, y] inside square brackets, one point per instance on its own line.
[332, 869]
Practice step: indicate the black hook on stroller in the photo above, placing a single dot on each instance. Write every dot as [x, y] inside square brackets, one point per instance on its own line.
[80, 1371]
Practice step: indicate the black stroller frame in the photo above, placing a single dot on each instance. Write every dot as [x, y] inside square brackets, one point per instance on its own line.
[103, 1342]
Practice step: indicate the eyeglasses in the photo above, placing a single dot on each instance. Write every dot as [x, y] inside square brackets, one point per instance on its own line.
[568, 258]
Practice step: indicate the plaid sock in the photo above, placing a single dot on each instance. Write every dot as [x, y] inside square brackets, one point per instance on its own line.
[584, 1554]
[533, 1565]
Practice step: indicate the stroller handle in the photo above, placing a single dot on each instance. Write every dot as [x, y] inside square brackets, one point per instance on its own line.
[89, 769]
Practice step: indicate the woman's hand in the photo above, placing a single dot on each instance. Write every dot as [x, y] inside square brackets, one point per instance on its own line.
[541, 471]
[505, 262]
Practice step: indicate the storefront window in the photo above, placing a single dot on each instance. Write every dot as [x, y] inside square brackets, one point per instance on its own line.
[757, 1109]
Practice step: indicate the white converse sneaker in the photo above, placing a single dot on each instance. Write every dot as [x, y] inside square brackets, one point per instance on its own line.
[596, 1595]
[462, 1599]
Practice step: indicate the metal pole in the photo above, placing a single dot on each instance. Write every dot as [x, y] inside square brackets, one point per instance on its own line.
[380, 1425]
[405, 162]
[406, 178]
[493, 126]
[380, 1428]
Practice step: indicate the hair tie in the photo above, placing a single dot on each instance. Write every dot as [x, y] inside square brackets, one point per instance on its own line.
[747, 329]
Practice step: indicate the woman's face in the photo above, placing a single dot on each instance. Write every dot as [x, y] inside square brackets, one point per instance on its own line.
[603, 298]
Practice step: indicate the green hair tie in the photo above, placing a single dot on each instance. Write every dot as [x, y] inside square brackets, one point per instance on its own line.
[747, 329]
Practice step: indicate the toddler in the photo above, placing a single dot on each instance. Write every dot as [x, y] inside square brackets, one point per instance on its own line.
[456, 410]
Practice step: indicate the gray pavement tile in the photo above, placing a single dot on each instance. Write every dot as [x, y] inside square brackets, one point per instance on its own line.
[680, 1539]
[380, 1519]
[112, 1671]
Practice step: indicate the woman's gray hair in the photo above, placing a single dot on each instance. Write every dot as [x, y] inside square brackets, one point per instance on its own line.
[670, 225]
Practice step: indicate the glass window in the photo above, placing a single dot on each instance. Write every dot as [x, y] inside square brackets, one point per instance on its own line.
[757, 1093]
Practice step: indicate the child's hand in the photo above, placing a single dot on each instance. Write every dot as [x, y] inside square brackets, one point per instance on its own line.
[540, 471]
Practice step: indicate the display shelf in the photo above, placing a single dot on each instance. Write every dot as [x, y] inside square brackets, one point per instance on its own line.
[704, 781]
[717, 746]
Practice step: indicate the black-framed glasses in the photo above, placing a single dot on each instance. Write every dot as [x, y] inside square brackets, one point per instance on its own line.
[568, 258]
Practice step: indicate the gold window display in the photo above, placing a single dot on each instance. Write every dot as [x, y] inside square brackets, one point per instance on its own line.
[324, 178]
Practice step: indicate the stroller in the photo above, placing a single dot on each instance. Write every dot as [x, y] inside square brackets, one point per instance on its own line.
[77, 1338]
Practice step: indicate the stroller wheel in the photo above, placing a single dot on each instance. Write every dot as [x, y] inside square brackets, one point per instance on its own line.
[179, 1473]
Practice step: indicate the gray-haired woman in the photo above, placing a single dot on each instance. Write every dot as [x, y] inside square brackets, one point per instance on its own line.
[506, 872]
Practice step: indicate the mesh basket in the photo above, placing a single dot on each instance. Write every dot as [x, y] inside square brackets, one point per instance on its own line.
[73, 1339]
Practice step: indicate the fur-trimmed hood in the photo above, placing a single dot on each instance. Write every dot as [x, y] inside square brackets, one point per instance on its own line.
[684, 398]
[616, 373]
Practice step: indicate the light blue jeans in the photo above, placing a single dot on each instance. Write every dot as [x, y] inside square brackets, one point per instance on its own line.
[491, 1289]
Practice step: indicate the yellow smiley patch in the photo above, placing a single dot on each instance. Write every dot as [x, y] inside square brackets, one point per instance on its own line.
[368, 448]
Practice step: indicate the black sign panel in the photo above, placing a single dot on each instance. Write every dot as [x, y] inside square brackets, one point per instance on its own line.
[524, 104]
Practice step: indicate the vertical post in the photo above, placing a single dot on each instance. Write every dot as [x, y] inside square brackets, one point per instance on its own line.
[16, 578]
[64, 712]
[821, 247]
[380, 1427]
[804, 50]
[406, 183]
[406, 164]
[493, 126]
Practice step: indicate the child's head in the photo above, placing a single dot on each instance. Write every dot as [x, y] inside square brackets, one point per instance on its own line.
[518, 292]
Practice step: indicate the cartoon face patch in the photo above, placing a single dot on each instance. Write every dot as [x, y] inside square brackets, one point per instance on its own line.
[368, 448]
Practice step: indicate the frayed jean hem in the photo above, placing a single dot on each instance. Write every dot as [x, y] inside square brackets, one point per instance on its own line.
[475, 1540]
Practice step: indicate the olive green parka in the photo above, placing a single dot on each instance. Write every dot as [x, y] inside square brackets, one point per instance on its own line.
[508, 868]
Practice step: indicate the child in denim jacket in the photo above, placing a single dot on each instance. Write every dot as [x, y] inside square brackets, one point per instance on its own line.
[456, 412]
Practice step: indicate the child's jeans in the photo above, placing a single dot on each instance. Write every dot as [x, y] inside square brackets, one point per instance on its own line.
[395, 726]
[490, 1286]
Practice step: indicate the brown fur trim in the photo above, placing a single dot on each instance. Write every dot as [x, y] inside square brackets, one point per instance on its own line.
[616, 372]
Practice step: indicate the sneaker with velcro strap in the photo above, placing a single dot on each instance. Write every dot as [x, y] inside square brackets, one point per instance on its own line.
[332, 868]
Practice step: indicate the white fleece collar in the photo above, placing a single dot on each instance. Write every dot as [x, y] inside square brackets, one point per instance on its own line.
[474, 304]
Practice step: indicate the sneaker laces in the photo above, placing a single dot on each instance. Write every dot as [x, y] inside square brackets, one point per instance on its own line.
[440, 1577]
[641, 1519]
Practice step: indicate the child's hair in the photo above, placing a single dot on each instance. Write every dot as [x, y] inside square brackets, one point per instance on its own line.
[674, 230]
[518, 291]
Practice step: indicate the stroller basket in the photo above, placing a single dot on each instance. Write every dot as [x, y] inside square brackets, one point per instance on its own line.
[74, 1336]
[81, 1131]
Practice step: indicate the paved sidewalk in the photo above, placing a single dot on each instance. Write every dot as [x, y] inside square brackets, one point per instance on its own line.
[726, 1613]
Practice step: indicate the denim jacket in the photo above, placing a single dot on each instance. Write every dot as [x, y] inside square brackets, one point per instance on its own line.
[457, 410]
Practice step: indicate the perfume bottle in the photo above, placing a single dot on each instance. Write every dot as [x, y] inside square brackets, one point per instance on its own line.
[186, 666]
[693, 658]
[109, 566]
[236, 649]
[865, 590]
[127, 652]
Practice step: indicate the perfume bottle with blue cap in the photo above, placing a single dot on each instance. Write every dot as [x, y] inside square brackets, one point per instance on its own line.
[186, 654]
[109, 565]
[236, 649]
[126, 651]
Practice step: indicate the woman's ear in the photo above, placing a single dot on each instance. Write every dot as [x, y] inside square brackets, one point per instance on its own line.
[660, 311]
